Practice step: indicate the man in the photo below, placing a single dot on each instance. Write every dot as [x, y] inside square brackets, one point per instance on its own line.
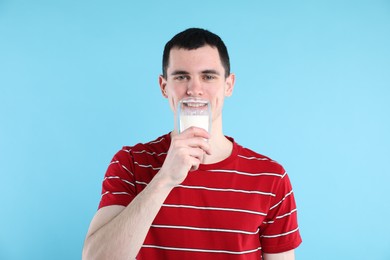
[194, 194]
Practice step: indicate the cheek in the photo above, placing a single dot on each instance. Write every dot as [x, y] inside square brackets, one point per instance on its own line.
[172, 104]
[219, 98]
[175, 94]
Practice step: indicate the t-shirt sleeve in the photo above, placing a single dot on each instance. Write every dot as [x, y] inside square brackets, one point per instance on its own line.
[118, 187]
[280, 232]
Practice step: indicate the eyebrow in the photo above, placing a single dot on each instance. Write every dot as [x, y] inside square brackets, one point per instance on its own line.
[183, 72]
[215, 72]
[179, 72]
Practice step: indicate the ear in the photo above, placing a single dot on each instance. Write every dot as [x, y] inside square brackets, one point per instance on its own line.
[230, 80]
[163, 84]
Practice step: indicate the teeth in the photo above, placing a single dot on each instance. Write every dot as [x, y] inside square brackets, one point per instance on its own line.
[195, 105]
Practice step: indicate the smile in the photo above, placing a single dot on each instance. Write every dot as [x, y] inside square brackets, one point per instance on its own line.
[195, 104]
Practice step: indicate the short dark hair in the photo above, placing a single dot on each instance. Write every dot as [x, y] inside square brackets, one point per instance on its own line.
[194, 38]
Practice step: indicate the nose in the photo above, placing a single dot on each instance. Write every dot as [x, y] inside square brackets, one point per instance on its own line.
[194, 88]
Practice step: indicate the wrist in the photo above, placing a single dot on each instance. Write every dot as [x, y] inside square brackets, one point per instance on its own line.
[162, 182]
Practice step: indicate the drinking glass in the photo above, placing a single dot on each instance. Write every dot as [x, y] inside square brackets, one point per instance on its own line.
[194, 112]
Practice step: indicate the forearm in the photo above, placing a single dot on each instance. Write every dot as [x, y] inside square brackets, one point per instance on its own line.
[123, 236]
[288, 255]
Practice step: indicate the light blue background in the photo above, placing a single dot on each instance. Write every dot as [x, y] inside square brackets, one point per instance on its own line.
[78, 79]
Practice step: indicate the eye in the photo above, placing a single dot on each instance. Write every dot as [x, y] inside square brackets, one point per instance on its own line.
[181, 77]
[209, 77]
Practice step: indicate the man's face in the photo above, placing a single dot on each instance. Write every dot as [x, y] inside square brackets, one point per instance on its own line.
[197, 73]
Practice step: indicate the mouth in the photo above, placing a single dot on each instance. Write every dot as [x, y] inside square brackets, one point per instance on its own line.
[195, 104]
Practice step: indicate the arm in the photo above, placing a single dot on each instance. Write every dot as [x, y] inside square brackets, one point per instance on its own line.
[289, 255]
[118, 232]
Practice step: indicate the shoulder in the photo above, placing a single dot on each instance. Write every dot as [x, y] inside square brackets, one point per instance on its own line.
[161, 143]
[156, 146]
[255, 160]
[143, 152]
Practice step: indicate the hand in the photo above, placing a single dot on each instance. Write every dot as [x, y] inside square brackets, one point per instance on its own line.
[185, 153]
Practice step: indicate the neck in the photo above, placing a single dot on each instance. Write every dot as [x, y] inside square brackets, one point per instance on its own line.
[221, 148]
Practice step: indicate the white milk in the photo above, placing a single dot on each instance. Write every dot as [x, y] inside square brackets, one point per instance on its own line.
[201, 121]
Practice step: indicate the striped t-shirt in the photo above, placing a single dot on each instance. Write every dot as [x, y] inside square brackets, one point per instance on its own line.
[233, 209]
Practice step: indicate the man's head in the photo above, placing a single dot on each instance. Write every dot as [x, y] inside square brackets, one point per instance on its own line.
[196, 64]
[195, 38]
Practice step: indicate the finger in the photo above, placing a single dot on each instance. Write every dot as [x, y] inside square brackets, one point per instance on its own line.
[197, 153]
[195, 164]
[194, 168]
[194, 131]
[194, 142]
[199, 143]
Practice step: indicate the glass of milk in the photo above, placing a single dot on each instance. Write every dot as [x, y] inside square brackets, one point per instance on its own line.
[194, 112]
